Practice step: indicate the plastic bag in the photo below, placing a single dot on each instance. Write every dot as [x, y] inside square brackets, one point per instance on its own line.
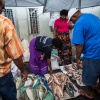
[26, 54]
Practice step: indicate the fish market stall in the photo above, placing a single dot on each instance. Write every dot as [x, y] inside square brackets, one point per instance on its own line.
[61, 85]
[57, 86]
[47, 87]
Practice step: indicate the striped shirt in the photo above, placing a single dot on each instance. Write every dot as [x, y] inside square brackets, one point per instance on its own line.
[10, 45]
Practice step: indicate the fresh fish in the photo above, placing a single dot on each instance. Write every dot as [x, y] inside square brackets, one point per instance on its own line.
[47, 76]
[50, 80]
[54, 88]
[49, 96]
[71, 85]
[22, 95]
[74, 66]
[42, 92]
[36, 83]
[31, 93]
[28, 82]
[60, 91]
[62, 85]
[56, 80]
[17, 81]
[69, 91]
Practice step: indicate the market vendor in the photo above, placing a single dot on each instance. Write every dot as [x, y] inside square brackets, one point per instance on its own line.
[40, 53]
[61, 30]
[86, 38]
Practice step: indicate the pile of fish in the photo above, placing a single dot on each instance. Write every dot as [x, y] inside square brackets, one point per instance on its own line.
[57, 86]
[32, 89]
[74, 73]
[51, 87]
[61, 86]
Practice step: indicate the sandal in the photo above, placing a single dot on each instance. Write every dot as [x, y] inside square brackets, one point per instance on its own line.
[82, 92]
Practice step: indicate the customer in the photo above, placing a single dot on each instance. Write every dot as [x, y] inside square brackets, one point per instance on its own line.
[86, 37]
[40, 53]
[61, 30]
[10, 49]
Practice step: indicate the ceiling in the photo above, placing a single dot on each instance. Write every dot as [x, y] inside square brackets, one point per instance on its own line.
[52, 5]
[23, 3]
[58, 5]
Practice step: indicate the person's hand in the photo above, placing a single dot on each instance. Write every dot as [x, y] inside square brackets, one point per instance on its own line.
[50, 72]
[24, 75]
[42, 56]
[79, 64]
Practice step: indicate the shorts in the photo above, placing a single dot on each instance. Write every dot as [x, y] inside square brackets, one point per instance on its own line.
[91, 71]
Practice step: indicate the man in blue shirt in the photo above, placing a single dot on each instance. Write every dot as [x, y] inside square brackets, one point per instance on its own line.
[86, 37]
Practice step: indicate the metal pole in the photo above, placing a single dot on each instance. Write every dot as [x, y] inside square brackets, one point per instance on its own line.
[79, 5]
[40, 2]
[16, 2]
[44, 6]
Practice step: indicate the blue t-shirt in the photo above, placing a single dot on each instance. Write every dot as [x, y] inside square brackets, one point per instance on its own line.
[87, 32]
[44, 44]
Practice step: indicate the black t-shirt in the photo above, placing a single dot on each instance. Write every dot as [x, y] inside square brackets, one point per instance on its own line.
[44, 44]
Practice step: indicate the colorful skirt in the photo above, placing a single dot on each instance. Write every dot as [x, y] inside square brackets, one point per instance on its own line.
[65, 53]
[36, 65]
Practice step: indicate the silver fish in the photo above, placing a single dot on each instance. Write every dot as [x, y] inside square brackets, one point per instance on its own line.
[42, 92]
[31, 93]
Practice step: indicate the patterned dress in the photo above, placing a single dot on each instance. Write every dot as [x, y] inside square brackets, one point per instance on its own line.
[62, 33]
[65, 53]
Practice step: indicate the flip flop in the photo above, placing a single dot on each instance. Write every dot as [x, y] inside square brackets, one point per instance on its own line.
[82, 92]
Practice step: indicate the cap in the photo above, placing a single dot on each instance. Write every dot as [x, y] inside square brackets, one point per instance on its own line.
[72, 12]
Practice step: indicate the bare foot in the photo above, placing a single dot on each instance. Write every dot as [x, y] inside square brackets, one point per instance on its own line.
[86, 93]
